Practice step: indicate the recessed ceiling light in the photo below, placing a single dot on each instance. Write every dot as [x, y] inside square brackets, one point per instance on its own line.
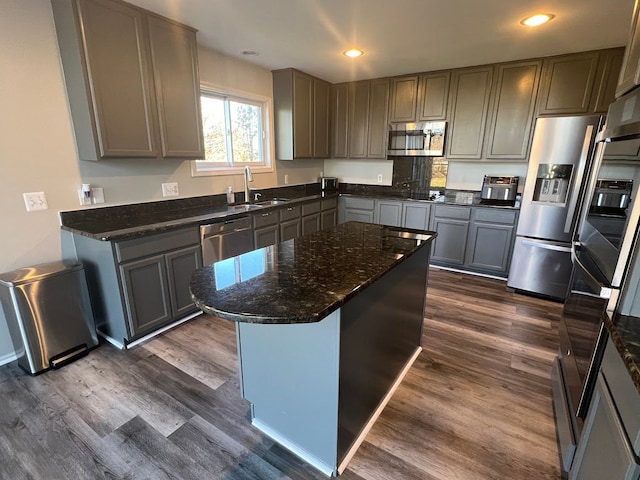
[250, 53]
[353, 53]
[537, 19]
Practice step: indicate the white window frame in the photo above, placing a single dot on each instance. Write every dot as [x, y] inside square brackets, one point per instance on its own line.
[207, 169]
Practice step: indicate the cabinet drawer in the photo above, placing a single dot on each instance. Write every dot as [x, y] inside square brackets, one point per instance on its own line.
[359, 203]
[264, 219]
[289, 213]
[157, 243]
[623, 391]
[310, 208]
[449, 211]
[329, 203]
[494, 215]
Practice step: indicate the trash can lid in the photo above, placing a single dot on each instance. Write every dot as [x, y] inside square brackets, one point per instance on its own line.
[37, 272]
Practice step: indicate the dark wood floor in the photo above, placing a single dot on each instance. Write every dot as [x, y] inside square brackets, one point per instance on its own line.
[476, 404]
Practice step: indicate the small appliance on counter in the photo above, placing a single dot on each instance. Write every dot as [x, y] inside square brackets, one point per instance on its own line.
[329, 184]
[499, 190]
[422, 139]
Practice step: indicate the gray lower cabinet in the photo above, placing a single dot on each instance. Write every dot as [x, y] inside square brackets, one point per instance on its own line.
[416, 215]
[290, 224]
[356, 209]
[490, 240]
[140, 284]
[609, 444]
[266, 230]
[328, 213]
[452, 225]
[388, 212]
[310, 217]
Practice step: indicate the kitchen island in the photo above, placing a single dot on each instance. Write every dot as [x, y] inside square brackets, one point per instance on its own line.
[327, 326]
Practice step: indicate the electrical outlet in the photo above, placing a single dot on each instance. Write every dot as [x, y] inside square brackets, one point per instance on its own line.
[170, 189]
[35, 201]
[286, 179]
[379, 178]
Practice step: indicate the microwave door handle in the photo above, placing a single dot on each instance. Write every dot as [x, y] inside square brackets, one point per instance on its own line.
[602, 290]
[573, 200]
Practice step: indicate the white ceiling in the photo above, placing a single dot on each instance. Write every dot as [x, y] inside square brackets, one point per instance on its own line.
[398, 36]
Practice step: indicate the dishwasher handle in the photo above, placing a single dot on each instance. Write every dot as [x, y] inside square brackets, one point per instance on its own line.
[227, 226]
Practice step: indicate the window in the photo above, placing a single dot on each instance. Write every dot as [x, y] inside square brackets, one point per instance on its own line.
[235, 132]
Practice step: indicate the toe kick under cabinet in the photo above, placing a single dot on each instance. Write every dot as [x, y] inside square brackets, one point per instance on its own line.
[141, 284]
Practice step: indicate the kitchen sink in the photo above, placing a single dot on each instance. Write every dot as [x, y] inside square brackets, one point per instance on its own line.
[245, 207]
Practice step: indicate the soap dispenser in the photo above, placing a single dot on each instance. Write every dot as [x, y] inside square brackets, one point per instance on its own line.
[231, 197]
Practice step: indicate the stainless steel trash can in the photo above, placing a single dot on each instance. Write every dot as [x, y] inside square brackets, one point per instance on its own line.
[49, 314]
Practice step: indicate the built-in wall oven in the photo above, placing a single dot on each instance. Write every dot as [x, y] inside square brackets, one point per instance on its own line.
[601, 249]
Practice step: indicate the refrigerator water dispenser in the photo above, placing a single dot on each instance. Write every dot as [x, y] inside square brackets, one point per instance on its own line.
[552, 184]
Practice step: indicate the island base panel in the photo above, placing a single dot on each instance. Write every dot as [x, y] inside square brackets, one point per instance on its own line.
[289, 373]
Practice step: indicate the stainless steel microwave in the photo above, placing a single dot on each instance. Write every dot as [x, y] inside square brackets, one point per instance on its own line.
[420, 139]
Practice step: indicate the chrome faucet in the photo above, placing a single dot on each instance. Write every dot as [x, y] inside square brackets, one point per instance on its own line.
[247, 178]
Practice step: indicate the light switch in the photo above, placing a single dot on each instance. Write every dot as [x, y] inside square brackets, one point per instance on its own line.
[35, 201]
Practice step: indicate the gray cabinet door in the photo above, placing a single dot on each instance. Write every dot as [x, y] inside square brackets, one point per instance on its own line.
[321, 118]
[433, 93]
[310, 224]
[489, 247]
[603, 450]
[290, 229]
[180, 266]
[514, 100]
[467, 113]
[265, 236]
[359, 93]
[328, 218]
[416, 215]
[146, 293]
[404, 99]
[355, 215]
[340, 104]
[175, 71]
[378, 126]
[118, 81]
[451, 243]
[302, 115]
[630, 72]
[567, 84]
[388, 212]
[607, 79]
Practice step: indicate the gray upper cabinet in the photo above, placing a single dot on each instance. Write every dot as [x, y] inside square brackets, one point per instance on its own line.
[419, 97]
[433, 93]
[340, 122]
[514, 100]
[174, 58]
[567, 84]
[358, 114]
[378, 110]
[360, 129]
[132, 81]
[301, 115]
[467, 111]
[607, 79]
[404, 99]
[630, 72]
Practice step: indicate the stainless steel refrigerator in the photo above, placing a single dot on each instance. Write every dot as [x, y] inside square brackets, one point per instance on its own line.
[559, 164]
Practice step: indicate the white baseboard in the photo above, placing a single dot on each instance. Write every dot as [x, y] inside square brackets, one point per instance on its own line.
[8, 358]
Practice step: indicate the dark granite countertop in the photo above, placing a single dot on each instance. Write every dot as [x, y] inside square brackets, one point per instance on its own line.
[304, 279]
[129, 221]
[625, 334]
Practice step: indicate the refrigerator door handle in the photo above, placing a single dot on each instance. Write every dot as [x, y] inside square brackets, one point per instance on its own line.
[573, 201]
[547, 246]
[600, 289]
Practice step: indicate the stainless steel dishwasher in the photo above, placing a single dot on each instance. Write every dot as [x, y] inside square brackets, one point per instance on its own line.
[226, 239]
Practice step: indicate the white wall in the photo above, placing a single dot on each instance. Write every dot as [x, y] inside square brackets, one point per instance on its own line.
[360, 171]
[37, 149]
